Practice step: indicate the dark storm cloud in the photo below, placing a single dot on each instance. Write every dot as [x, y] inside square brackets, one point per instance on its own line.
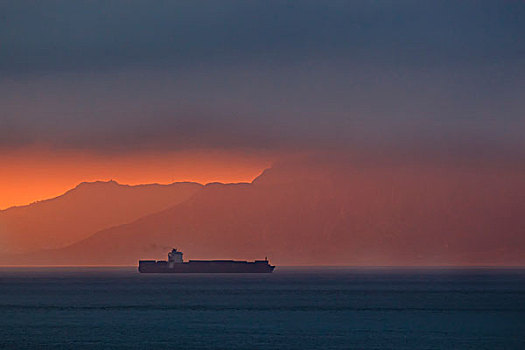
[125, 75]
[43, 35]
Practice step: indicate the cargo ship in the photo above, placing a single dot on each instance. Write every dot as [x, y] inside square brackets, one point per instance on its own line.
[176, 264]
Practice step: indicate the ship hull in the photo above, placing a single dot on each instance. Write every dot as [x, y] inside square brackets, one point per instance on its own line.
[205, 266]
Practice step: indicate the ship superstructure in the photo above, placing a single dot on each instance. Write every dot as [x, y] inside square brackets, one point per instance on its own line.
[176, 264]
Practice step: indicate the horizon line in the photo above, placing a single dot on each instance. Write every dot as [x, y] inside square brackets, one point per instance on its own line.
[296, 266]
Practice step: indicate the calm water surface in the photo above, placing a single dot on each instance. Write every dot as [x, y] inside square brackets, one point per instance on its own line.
[293, 308]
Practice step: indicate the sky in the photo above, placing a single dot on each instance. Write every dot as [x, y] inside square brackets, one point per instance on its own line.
[163, 91]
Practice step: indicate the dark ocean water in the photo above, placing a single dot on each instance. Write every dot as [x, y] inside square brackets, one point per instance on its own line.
[293, 308]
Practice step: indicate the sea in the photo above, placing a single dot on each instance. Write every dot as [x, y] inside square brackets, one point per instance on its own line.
[293, 308]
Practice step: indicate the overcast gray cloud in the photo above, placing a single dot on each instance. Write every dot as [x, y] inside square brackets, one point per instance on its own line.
[124, 75]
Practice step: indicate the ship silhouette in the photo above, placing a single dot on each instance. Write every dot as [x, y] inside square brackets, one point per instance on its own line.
[176, 264]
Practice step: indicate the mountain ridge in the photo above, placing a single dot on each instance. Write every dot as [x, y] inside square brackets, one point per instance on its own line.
[334, 215]
[83, 210]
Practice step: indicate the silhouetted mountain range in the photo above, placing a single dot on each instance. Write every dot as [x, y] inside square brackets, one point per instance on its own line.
[328, 214]
[88, 208]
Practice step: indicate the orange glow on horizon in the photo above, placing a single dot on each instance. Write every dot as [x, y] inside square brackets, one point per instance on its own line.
[27, 176]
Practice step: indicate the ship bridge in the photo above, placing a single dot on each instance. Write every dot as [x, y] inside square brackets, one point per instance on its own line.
[174, 257]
